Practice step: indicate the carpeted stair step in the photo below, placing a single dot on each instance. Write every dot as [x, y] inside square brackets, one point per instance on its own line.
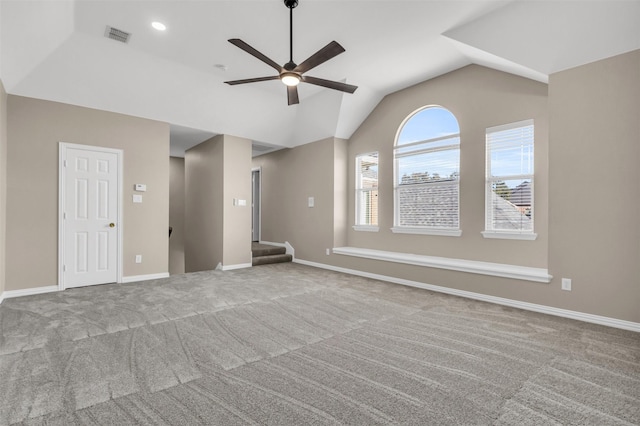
[271, 258]
[259, 250]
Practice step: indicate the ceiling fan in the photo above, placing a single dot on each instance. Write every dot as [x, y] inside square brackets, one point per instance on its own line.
[291, 74]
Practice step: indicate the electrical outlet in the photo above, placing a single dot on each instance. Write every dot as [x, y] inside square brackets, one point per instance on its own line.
[328, 252]
[566, 284]
[138, 258]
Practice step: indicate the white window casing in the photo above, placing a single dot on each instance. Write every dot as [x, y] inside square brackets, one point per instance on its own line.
[366, 192]
[427, 174]
[509, 187]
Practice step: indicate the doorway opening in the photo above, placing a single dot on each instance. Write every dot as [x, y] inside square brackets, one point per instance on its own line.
[255, 204]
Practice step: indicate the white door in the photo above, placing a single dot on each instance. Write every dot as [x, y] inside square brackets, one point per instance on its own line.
[90, 216]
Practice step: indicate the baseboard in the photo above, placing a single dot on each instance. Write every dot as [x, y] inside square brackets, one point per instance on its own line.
[8, 294]
[135, 278]
[237, 266]
[580, 316]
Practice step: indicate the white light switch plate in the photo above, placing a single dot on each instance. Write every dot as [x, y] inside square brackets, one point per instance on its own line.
[312, 202]
[137, 198]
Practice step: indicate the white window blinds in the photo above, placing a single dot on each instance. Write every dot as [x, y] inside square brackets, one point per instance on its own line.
[510, 178]
[427, 172]
[367, 189]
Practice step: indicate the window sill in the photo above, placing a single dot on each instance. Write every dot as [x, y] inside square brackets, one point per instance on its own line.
[366, 228]
[525, 273]
[509, 235]
[426, 231]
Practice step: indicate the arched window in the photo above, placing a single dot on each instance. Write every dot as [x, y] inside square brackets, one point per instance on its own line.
[427, 173]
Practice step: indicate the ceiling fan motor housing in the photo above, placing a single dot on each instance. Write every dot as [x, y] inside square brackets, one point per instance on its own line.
[291, 3]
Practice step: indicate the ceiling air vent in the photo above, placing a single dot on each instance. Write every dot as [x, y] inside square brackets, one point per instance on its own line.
[116, 34]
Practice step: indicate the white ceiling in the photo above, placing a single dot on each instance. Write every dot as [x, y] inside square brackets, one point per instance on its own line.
[56, 50]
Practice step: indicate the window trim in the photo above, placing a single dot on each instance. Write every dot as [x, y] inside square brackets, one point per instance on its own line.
[358, 190]
[489, 180]
[422, 230]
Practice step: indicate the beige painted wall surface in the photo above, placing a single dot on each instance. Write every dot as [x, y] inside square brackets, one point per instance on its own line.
[3, 183]
[479, 98]
[237, 185]
[595, 186]
[35, 128]
[203, 205]
[340, 192]
[289, 178]
[176, 215]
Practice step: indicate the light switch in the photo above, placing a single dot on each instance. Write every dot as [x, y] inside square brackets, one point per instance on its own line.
[312, 202]
[140, 187]
[137, 198]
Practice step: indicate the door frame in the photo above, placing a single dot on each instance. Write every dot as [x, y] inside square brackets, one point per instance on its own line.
[62, 157]
[259, 170]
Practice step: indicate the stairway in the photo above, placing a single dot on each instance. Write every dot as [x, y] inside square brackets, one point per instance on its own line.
[264, 254]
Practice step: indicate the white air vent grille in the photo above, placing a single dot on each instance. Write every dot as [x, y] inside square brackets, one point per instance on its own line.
[116, 34]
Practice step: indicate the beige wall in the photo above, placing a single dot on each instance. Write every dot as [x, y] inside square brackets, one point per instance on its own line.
[35, 128]
[289, 178]
[479, 98]
[203, 205]
[3, 183]
[237, 185]
[217, 232]
[594, 170]
[590, 107]
[176, 215]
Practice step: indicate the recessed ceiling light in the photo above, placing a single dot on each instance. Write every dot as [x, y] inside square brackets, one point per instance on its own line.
[159, 26]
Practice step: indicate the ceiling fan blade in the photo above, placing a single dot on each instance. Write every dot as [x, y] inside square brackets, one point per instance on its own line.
[250, 50]
[323, 55]
[252, 80]
[336, 85]
[292, 95]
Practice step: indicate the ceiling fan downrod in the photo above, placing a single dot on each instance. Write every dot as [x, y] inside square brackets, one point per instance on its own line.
[291, 4]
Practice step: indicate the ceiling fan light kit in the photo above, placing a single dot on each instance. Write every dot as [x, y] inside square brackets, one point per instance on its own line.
[291, 74]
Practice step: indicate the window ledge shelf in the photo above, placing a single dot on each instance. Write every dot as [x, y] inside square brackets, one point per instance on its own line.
[509, 235]
[426, 231]
[366, 228]
[525, 273]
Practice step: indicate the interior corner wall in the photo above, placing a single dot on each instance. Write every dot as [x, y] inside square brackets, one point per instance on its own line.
[34, 129]
[3, 185]
[340, 192]
[237, 216]
[204, 167]
[594, 194]
[176, 215]
[289, 178]
[218, 231]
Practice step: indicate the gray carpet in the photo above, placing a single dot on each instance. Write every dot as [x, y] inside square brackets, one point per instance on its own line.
[287, 344]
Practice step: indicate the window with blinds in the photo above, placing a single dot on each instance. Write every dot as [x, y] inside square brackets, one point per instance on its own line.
[510, 178]
[427, 173]
[367, 189]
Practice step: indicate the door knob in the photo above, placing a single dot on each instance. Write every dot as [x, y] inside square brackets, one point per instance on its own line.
[111, 225]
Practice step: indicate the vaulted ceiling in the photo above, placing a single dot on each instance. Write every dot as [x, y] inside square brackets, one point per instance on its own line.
[57, 50]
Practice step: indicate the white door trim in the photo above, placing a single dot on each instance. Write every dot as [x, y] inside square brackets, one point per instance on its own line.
[63, 146]
[259, 170]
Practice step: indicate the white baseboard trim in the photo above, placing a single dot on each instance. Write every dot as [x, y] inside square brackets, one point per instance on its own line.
[135, 278]
[8, 294]
[237, 266]
[462, 265]
[580, 316]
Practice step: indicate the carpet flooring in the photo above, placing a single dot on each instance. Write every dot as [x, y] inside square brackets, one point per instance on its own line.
[287, 344]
